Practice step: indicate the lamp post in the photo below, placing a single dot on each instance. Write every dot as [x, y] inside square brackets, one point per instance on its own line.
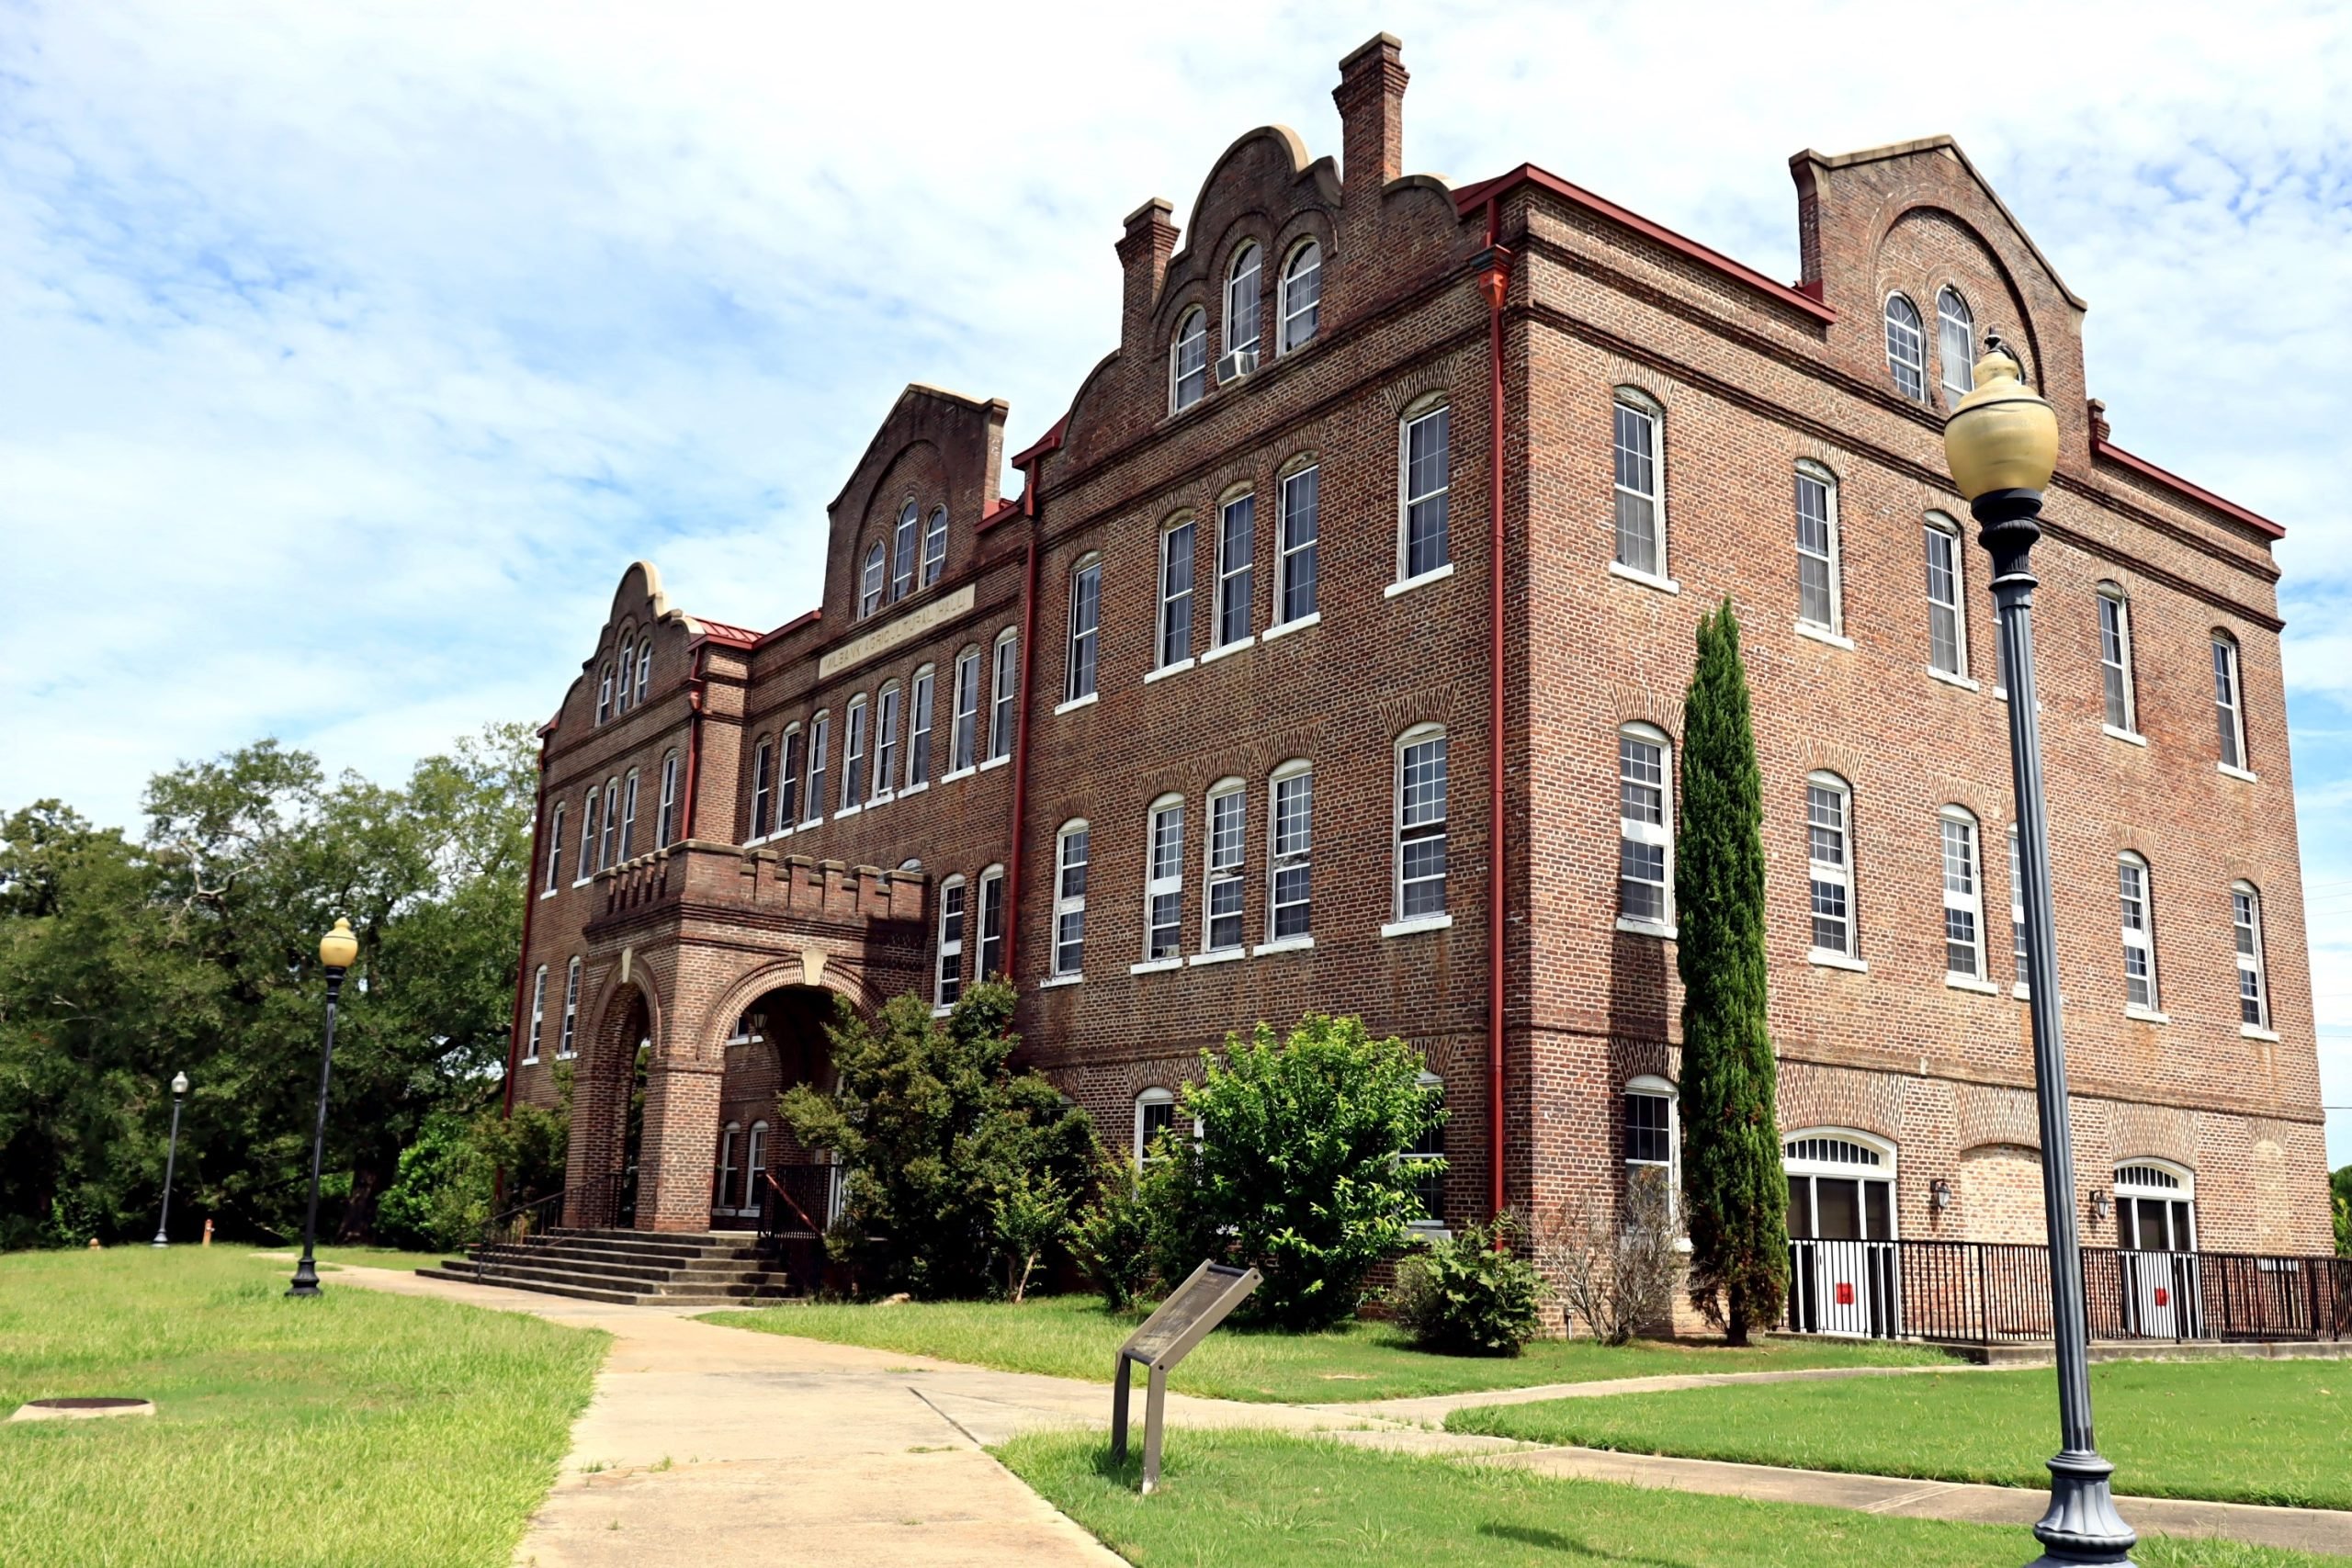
[336, 949]
[2002, 444]
[170, 1160]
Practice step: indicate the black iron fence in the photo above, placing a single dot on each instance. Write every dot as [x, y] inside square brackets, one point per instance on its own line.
[1982, 1292]
[609, 1200]
[799, 1200]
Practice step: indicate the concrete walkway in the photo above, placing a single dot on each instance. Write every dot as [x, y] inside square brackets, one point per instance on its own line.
[702, 1439]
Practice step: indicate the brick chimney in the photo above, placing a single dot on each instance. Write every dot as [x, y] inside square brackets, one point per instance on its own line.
[1371, 96]
[1144, 251]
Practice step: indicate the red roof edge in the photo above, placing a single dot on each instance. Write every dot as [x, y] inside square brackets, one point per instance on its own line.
[2148, 470]
[1473, 195]
[1008, 508]
[1049, 442]
[806, 617]
[720, 631]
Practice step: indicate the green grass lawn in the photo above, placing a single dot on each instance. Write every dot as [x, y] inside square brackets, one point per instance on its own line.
[1073, 1337]
[368, 1257]
[2239, 1431]
[1266, 1500]
[359, 1428]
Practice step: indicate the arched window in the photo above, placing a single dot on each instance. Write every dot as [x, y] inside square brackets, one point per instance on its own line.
[1946, 598]
[869, 583]
[964, 731]
[885, 742]
[853, 751]
[1420, 821]
[2115, 659]
[588, 813]
[762, 790]
[1644, 829]
[1241, 300]
[1424, 478]
[1069, 899]
[788, 763]
[628, 818]
[1956, 342]
[539, 1013]
[555, 851]
[1964, 894]
[1188, 361]
[2246, 922]
[1426, 1161]
[902, 558]
[819, 736]
[1155, 1115]
[1906, 348]
[755, 1165]
[1302, 294]
[1290, 832]
[1228, 822]
[1829, 857]
[1653, 1138]
[609, 829]
[628, 676]
[2155, 1211]
[1175, 640]
[644, 667]
[919, 728]
[1295, 569]
[1818, 596]
[665, 827]
[1841, 1217]
[1004, 687]
[1085, 627]
[991, 963]
[949, 981]
[563, 1046]
[1236, 555]
[2229, 711]
[1163, 894]
[1639, 448]
[934, 547]
[2139, 993]
[604, 693]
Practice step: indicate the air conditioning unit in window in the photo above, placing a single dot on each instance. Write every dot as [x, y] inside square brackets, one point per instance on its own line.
[1235, 366]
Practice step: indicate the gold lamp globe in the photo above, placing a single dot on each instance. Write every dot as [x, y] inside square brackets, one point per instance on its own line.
[338, 947]
[2003, 435]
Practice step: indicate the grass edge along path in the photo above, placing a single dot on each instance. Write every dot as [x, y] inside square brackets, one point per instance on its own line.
[362, 1427]
[1271, 1500]
[2274, 1432]
[1073, 1337]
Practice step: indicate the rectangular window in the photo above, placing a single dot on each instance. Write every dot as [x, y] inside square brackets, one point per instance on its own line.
[1175, 606]
[629, 818]
[555, 849]
[1832, 872]
[1085, 625]
[1425, 1161]
[538, 1012]
[1295, 594]
[788, 792]
[1003, 689]
[762, 758]
[1816, 551]
[1963, 901]
[991, 925]
[1070, 904]
[1290, 901]
[885, 744]
[934, 548]
[588, 833]
[1645, 831]
[963, 740]
[1425, 462]
[2245, 920]
[2139, 943]
[1164, 896]
[852, 751]
[1237, 552]
[819, 735]
[1947, 622]
[869, 591]
[1228, 816]
[2228, 716]
[1640, 540]
[1421, 828]
[570, 1009]
[2115, 659]
[919, 731]
[612, 821]
[1649, 1135]
[902, 565]
[2016, 906]
[951, 943]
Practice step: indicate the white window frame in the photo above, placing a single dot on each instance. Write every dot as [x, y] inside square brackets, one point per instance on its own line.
[990, 905]
[610, 827]
[1418, 735]
[644, 670]
[853, 738]
[935, 545]
[1659, 835]
[887, 704]
[2017, 909]
[1083, 664]
[819, 743]
[964, 732]
[555, 851]
[788, 780]
[1234, 579]
[1438, 497]
[1188, 360]
[1906, 348]
[871, 580]
[1293, 555]
[755, 1165]
[919, 707]
[763, 789]
[1828, 555]
[628, 819]
[2245, 928]
[1626, 479]
[1153, 1097]
[1067, 904]
[1941, 531]
[1429, 1223]
[906, 541]
[2229, 700]
[947, 970]
[604, 693]
[2118, 707]
[588, 830]
[665, 825]
[1650, 1086]
[1171, 644]
[1241, 328]
[1969, 901]
[1838, 874]
[1225, 856]
[1959, 369]
[1302, 276]
[722, 1185]
[538, 1015]
[628, 676]
[1163, 871]
[2167, 1182]
[1290, 847]
[2133, 867]
[567, 1043]
[1004, 688]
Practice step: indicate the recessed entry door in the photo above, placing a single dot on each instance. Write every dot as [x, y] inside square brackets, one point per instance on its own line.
[2156, 1238]
[1842, 1274]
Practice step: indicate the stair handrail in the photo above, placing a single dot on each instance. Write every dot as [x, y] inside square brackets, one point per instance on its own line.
[776, 1193]
[541, 1215]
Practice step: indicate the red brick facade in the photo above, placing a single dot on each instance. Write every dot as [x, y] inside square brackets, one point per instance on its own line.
[711, 916]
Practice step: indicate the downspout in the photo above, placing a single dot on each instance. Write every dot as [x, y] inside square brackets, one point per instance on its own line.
[1021, 736]
[1494, 284]
[531, 903]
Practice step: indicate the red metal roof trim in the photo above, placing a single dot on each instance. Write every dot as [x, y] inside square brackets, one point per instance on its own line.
[2148, 470]
[1005, 510]
[1470, 196]
[720, 631]
[1049, 442]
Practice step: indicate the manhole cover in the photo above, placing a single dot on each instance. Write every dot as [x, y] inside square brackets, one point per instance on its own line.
[82, 1408]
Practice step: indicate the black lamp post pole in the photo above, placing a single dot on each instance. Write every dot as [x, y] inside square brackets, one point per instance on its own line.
[306, 1273]
[170, 1163]
[2082, 1526]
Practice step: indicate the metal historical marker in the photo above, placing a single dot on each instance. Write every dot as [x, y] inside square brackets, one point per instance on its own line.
[1167, 1337]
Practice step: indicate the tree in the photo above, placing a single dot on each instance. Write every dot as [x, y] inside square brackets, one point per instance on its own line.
[1030, 1214]
[2340, 1191]
[1616, 1271]
[1733, 1180]
[1299, 1171]
[936, 1129]
[1110, 1237]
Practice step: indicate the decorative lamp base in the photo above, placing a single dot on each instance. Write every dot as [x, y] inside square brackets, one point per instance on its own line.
[2082, 1526]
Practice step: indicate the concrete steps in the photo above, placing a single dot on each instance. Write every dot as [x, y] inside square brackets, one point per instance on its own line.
[627, 1268]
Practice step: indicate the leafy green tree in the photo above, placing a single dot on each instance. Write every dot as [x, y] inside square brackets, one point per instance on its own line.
[1030, 1214]
[936, 1128]
[1732, 1176]
[2340, 1189]
[1299, 1171]
[1110, 1237]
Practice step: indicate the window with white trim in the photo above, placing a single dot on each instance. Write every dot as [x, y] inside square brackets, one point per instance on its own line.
[1817, 569]
[1069, 899]
[1228, 817]
[1653, 1137]
[1302, 294]
[588, 829]
[1155, 1115]
[2016, 906]
[722, 1180]
[885, 742]
[1829, 813]
[934, 547]
[610, 828]
[903, 551]
[1644, 825]
[1188, 361]
[963, 735]
[819, 736]
[2139, 931]
[853, 750]
[869, 591]
[2115, 657]
[1906, 348]
[1295, 566]
[1964, 894]
[1175, 599]
[788, 798]
[1085, 627]
[1420, 822]
[991, 963]
[2155, 1206]
[2246, 924]
[1955, 343]
[1425, 1160]
[1004, 685]
[644, 668]
[919, 728]
[628, 818]
[555, 848]
[1639, 483]
[755, 1165]
[1163, 935]
[1289, 860]
[627, 675]
[604, 693]
[665, 822]
[1423, 480]
[1236, 555]
[1947, 601]
[564, 1039]
[1242, 300]
[2229, 713]
[763, 789]
[539, 1013]
[949, 980]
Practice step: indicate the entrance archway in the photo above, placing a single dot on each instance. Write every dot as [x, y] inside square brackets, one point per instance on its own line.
[608, 1115]
[764, 1177]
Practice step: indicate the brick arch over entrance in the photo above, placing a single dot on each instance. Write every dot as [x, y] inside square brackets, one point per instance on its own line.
[603, 1087]
[793, 971]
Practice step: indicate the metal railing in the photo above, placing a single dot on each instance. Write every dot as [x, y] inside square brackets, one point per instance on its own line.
[609, 1200]
[1982, 1292]
[799, 1200]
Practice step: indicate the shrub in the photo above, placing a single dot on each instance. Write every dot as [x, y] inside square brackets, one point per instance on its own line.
[1469, 1295]
[1030, 1214]
[1615, 1271]
[1298, 1172]
[448, 1181]
[1111, 1238]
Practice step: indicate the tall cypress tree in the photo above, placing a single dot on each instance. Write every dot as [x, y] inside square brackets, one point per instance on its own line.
[1733, 1186]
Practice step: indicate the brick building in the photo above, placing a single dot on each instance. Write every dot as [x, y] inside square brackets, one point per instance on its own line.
[1332, 655]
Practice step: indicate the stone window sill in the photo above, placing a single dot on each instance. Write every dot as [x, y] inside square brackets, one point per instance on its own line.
[1050, 981]
[1970, 983]
[1225, 649]
[1408, 584]
[916, 788]
[1000, 761]
[847, 811]
[552, 892]
[2239, 773]
[955, 773]
[1647, 927]
[1418, 923]
[1077, 702]
[1646, 579]
[2146, 1015]
[1312, 619]
[1222, 955]
[1284, 944]
[2129, 737]
[1156, 965]
[528, 1062]
[2255, 1032]
[1830, 958]
[1161, 674]
[1949, 679]
[1824, 634]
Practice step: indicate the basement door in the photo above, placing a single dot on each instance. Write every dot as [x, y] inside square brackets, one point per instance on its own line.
[1842, 1271]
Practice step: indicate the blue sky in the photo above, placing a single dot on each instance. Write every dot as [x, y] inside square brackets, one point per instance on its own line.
[347, 354]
